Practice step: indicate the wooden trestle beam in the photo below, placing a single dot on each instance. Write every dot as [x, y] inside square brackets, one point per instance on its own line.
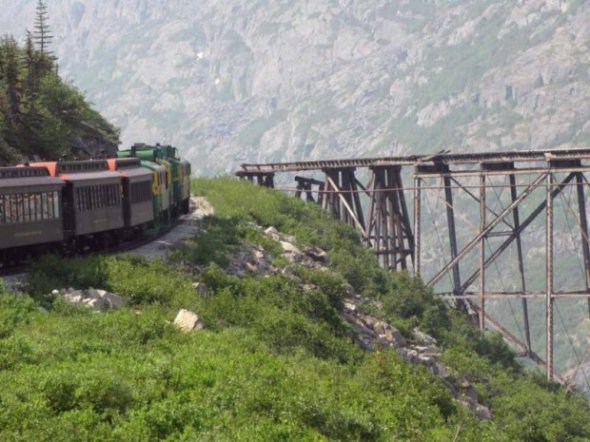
[305, 186]
[265, 179]
[389, 227]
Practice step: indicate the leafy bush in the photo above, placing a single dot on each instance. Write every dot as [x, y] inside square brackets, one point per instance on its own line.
[140, 281]
[14, 309]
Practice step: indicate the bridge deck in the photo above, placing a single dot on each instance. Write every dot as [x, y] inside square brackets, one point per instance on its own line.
[409, 160]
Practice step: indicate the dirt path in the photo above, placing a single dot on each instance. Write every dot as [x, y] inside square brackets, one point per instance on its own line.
[189, 225]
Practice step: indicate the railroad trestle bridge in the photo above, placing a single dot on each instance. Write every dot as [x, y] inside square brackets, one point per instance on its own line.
[481, 207]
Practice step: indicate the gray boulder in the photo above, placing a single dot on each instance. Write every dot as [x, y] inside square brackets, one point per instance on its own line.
[97, 300]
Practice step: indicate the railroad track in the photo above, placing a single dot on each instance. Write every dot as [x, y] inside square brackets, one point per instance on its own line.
[126, 246]
[15, 272]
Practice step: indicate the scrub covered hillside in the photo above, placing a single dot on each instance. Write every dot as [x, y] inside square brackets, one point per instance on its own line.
[277, 357]
[41, 116]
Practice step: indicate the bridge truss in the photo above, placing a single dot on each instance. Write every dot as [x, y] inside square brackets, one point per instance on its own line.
[482, 207]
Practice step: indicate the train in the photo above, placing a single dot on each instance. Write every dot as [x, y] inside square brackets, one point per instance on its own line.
[70, 206]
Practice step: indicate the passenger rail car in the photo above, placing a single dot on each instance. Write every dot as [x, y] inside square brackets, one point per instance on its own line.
[138, 184]
[31, 213]
[76, 205]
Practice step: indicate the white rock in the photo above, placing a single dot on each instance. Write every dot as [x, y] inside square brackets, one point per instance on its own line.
[349, 306]
[187, 321]
[273, 233]
[99, 300]
[73, 297]
[290, 248]
[258, 255]
[426, 360]
[379, 327]
[394, 336]
[408, 355]
[430, 350]
[96, 304]
[422, 337]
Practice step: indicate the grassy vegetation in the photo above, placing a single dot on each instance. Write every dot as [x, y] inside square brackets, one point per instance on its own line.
[274, 362]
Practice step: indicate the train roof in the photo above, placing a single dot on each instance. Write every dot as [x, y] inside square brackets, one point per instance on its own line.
[103, 177]
[85, 171]
[57, 168]
[153, 166]
[84, 166]
[21, 177]
[129, 168]
[123, 163]
[36, 182]
[22, 172]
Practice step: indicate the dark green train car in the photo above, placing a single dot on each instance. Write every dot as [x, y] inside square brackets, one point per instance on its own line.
[179, 172]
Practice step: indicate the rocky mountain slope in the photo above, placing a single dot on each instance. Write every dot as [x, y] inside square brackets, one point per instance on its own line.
[273, 80]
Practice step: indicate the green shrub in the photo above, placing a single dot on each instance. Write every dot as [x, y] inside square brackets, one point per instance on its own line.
[274, 362]
[139, 281]
[14, 310]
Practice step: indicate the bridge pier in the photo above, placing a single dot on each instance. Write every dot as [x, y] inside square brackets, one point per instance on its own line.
[265, 179]
[305, 186]
[340, 197]
[389, 228]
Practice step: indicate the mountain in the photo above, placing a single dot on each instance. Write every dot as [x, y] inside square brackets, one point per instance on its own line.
[258, 80]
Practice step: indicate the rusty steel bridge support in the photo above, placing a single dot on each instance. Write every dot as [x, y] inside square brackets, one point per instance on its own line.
[534, 181]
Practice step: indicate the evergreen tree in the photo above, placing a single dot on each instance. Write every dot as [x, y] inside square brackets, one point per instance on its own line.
[11, 68]
[31, 62]
[42, 35]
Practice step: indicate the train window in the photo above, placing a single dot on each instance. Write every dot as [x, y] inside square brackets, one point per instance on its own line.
[56, 213]
[140, 192]
[97, 197]
[29, 207]
[45, 205]
[111, 195]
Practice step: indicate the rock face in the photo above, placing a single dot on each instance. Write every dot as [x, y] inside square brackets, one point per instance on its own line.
[243, 81]
[373, 333]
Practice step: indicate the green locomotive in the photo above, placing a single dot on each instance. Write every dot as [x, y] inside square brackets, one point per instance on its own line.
[171, 188]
